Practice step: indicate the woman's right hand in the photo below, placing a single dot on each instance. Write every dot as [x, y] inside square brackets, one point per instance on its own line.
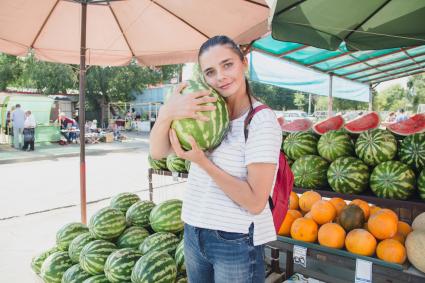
[187, 106]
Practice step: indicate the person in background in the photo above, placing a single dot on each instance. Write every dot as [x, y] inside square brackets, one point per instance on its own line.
[29, 131]
[391, 118]
[401, 116]
[18, 119]
[64, 122]
[9, 126]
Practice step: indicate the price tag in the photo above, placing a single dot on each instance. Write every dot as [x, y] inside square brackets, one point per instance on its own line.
[175, 176]
[363, 271]
[300, 255]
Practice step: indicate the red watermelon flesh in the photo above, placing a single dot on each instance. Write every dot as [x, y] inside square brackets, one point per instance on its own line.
[413, 125]
[363, 123]
[330, 124]
[299, 125]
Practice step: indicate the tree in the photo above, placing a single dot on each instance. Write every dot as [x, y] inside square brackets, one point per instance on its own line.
[416, 90]
[276, 97]
[391, 99]
[299, 100]
[10, 70]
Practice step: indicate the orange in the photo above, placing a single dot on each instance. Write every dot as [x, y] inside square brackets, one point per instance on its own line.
[323, 212]
[304, 229]
[364, 206]
[382, 224]
[307, 199]
[338, 203]
[404, 228]
[361, 242]
[392, 251]
[285, 228]
[331, 235]
[293, 201]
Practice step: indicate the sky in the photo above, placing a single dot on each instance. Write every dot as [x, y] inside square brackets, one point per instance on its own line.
[385, 85]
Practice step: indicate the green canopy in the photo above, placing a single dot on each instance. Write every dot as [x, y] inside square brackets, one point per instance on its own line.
[362, 24]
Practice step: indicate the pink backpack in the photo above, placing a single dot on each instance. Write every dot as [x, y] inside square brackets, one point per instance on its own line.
[279, 201]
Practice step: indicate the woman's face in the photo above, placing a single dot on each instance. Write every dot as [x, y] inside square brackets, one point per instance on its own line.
[223, 70]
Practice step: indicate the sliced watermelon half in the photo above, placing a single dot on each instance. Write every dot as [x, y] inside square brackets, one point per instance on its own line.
[413, 125]
[363, 123]
[299, 125]
[330, 124]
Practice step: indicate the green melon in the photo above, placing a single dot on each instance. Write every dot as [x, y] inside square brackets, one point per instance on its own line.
[161, 241]
[421, 184]
[67, 233]
[334, 144]
[166, 216]
[376, 146]
[310, 172]
[348, 175]
[97, 279]
[75, 274]
[176, 164]
[393, 179]
[38, 260]
[123, 201]
[154, 267]
[351, 217]
[120, 263]
[138, 213]
[55, 266]
[412, 151]
[78, 244]
[179, 257]
[132, 237]
[299, 144]
[108, 223]
[157, 164]
[93, 256]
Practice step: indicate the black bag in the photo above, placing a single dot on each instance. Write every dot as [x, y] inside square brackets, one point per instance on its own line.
[28, 135]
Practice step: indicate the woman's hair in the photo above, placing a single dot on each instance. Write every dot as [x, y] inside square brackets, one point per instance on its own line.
[225, 40]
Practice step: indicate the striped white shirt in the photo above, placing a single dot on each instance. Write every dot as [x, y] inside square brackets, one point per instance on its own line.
[205, 205]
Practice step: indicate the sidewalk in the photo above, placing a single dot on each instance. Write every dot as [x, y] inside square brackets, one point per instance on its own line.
[54, 150]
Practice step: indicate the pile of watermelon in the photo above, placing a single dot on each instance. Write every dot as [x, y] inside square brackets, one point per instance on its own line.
[359, 156]
[170, 163]
[131, 240]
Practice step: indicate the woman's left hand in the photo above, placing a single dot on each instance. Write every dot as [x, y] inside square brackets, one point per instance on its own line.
[195, 155]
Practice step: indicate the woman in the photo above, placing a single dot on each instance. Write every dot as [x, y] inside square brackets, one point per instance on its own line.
[225, 209]
[29, 131]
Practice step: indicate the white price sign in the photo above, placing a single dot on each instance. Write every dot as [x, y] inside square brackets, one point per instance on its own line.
[300, 255]
[363, 271]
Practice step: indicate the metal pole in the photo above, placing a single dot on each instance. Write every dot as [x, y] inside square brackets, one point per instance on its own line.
[370, 98]
[82, 115]
[330, 96]
[309, 103]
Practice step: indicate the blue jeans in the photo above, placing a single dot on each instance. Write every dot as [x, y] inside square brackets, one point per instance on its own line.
[220, 257]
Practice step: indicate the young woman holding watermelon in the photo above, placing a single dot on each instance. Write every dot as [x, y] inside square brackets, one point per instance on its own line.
[225, 206]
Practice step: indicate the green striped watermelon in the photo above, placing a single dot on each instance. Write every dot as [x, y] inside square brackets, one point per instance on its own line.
[392, 179]
[154, 267]
[182, 280]
[310, 172]
[75, 274]
[376, 146]
[187, 165]
[93, 256]
[108, 223]
[161, 241]
[123, 201]
[55, 266]
[67, 233]
[38, 260]
[421, 184]
[120, 263]
[78, 244]
[138, 213]
[97, 279]
[208, 134]
[179, 257]
[132, 237]
[348, 175]
[299, 144]
[334, 144]
[176, 164]
[166, 216]
[412, 151]
[157, 164]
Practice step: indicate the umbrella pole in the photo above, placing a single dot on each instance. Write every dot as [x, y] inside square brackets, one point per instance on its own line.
[82, 113]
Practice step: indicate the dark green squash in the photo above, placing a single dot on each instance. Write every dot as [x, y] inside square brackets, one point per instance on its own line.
[351, 217]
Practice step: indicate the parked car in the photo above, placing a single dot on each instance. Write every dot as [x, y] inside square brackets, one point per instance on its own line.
[292, 115]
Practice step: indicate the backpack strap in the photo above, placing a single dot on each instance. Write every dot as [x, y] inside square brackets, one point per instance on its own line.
[249, 117]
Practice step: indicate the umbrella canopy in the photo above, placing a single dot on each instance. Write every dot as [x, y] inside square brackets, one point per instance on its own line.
[362, 25]
[155, 32]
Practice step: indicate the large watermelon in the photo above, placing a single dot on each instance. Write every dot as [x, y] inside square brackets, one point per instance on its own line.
[161, 241]
[138, 213]
[296, 126]
[78, 244]
[55, 266]
[300, 144]
[67, 233]
[376, 146]
[38, 260]
[363, 123]
[93, 256]
[335, 144]
[97, 279]
[123, 201]
[132, 237]
[412, 151]
[120, 263]
[392, 179]
[330, 124]
[157, 164]
[310, 172]
[208, 134]
[413, 125]
[348, 175]
[154, 267]
[179, 257]
[108, 223]
[421, 184]
[75, 274]
[176, 164]
[166, 216]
